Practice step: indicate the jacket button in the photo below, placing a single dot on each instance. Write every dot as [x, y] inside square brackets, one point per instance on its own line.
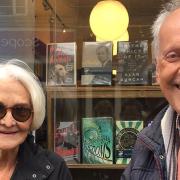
[34, 176]
[48, 167]
[161, 157]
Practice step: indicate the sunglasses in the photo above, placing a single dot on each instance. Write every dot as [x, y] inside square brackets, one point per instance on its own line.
[20, 112]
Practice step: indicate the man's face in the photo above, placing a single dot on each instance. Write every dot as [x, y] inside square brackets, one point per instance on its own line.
[102, 54]
[168, 61]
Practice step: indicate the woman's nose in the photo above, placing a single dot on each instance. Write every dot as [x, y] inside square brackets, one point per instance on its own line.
[8, 120]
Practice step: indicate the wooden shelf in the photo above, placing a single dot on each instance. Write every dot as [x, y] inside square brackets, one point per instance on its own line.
[97, 166]
[105, 92]
[86, 92]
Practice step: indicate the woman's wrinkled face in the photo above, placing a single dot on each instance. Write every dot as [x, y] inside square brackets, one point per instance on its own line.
[12, 132]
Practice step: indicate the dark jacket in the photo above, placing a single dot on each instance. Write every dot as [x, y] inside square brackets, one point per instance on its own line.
[36, 163]
[148, 159]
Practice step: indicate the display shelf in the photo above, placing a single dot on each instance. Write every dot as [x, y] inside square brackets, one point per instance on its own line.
[104, 92]
[87, 92]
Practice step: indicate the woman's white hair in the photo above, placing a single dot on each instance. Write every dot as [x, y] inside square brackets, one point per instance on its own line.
[166, 10]
[22, 72]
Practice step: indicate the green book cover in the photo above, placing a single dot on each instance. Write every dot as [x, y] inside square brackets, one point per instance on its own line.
[97, 140]
[126, 135]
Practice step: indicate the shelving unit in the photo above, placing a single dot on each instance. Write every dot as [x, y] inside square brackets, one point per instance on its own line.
[101, 92]
[54, 92]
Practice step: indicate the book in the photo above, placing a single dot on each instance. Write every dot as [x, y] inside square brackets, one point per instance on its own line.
[96, 63]
[67, 142]
[132, 63]
[126, 135]
[97, 140]
[61, 64]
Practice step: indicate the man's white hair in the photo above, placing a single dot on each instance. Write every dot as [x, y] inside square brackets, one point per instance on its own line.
[167, 9]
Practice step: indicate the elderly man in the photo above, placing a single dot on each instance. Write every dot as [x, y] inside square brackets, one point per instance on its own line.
[156, 154]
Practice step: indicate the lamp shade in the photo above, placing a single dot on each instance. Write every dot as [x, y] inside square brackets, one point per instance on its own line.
[109, 19]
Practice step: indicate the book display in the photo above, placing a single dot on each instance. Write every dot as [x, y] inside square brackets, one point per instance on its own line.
[97, 140]
[132, 68]
[61, 64]
[98, 70]
[83, 117]
[96, 63]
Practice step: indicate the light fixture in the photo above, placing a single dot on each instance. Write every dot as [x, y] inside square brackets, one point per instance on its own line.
[47, 5]
[114, 72]
[109, 20]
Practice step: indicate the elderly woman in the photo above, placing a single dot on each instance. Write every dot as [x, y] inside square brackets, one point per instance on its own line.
[22, 109]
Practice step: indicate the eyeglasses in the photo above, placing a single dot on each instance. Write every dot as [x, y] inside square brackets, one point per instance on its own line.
[20, 112]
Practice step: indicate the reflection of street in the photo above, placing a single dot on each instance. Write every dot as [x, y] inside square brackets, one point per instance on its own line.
[18, 30]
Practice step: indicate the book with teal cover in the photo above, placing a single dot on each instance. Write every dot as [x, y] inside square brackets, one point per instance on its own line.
[97, 140]
[126, 135]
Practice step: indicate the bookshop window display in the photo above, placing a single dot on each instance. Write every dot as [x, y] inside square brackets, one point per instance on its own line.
[98, 98]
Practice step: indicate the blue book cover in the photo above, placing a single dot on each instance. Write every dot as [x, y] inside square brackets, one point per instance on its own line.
[97, 140]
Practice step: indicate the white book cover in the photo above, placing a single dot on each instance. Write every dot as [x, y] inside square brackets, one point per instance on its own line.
[96, 63]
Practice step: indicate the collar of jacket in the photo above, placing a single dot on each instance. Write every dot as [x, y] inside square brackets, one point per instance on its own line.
[152, 135]
[33, 161]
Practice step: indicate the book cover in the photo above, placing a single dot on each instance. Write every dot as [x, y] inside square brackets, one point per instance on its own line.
[126, 135]
[97, 140]
[132, 63]
[96, 63]
[61, 64]
[67, 142]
